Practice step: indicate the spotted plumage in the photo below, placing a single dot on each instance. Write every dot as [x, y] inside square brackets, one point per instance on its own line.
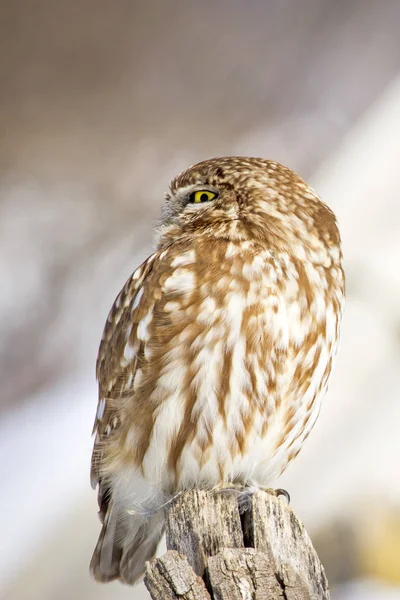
[217, 351]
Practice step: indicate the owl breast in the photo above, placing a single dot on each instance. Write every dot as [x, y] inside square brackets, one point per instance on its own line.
[244, 366]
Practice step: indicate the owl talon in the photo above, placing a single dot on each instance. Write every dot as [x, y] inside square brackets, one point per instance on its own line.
[277, 492]
[282, 492]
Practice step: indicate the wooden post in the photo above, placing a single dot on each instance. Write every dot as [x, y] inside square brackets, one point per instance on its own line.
[228, 546]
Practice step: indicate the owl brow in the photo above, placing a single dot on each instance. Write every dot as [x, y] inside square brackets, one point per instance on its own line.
[184, 192]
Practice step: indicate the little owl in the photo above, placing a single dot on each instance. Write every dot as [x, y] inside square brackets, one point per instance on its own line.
[217, 351]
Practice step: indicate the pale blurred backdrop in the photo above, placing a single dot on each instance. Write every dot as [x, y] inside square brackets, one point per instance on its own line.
[101, 104]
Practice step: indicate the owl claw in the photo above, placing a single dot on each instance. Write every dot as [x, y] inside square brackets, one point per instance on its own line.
[277, 492]
[282, 492]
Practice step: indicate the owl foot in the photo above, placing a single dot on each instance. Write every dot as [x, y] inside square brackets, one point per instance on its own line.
[244, 490]
[229, 487]
[277, 492]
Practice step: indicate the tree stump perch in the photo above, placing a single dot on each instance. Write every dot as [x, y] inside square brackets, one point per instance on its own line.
[230, 546]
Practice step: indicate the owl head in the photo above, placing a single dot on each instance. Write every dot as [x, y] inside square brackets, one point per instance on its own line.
[239, 198]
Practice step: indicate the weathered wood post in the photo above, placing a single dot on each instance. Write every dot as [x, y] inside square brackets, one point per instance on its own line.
[221, 547]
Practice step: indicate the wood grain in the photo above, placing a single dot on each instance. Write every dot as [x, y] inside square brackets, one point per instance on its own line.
[222, 548]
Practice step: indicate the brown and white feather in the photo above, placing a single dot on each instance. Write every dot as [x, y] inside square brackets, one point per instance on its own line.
[218, 350]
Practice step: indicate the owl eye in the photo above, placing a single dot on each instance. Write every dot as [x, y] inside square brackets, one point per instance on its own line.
[201, 196]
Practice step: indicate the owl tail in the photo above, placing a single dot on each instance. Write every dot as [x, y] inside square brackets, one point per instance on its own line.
[125, 543]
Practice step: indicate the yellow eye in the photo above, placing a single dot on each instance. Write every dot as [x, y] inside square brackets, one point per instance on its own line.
[202, 196]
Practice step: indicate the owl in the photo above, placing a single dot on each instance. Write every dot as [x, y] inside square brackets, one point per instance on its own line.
[217, 351]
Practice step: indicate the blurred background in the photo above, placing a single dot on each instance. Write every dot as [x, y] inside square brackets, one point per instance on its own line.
[101, 104]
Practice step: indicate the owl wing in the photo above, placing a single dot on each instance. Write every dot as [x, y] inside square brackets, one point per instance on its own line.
[117, 358]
